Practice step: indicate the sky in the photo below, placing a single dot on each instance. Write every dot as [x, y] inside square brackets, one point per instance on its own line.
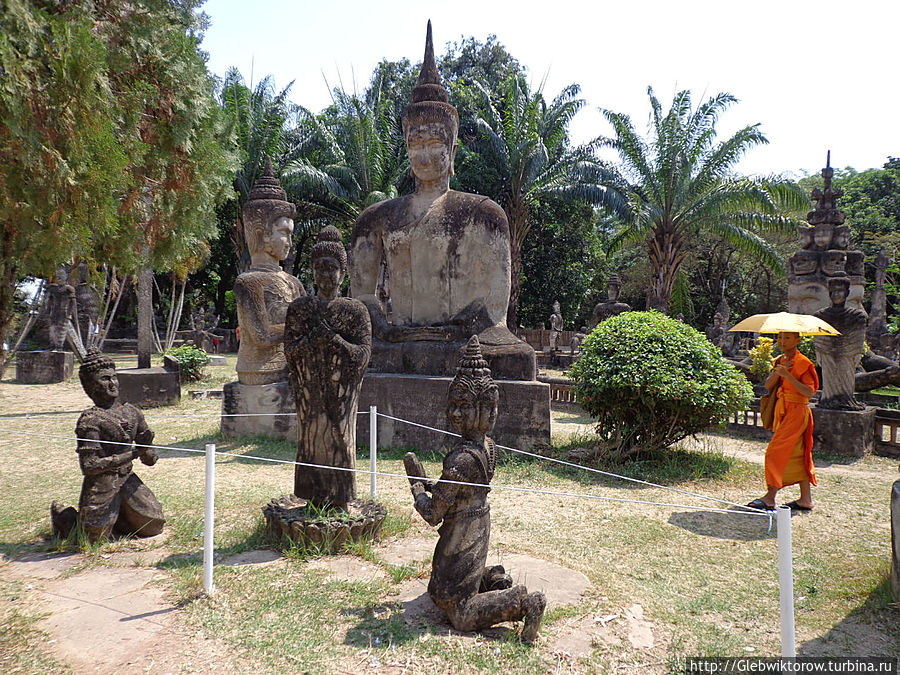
[817, 76]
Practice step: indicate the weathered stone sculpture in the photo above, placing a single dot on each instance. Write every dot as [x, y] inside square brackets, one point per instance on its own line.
[328, 341]
[840, 355]
[612, 306]
[446, 256]
[895, 540]
[472, 595]
[111, 435]
[556, 326]
[61, 313]
[824, 254]
[264, 292]
[877, 316]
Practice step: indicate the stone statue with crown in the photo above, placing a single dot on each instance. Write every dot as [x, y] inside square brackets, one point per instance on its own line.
[473, 595]
[263, 294]
[445, 258]
[111, 435]
[612, 306]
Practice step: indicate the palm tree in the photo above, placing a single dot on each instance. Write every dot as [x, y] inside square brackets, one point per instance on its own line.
[680, 181]
[526, 143]
[349, 157]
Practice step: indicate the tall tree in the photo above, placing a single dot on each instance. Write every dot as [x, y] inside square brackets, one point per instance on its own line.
[680, 181]
[525, 141]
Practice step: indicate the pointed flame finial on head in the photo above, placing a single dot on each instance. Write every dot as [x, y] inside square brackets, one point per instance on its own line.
[429, 101]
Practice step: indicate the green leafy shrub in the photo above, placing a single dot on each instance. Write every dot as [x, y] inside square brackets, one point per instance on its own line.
[807, 348]
[652, 381]
[192, 361]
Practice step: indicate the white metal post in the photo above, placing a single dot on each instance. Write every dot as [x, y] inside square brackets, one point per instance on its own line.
[786, 581]
[208, 518]
[373, 447]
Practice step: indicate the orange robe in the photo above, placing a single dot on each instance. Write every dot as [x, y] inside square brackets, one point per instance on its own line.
[789, 455]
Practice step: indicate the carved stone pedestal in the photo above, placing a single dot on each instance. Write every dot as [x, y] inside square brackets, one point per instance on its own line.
[843, 432]
[525, 423]
[895, 540]
[259, 401]
[150, 387]
[329, 531]
[44, 367]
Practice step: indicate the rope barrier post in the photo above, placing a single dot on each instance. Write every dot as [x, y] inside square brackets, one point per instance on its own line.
[373, 447]
[786, 581]
[208, 519]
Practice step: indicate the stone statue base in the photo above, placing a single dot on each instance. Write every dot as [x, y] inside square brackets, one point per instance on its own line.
[843, 432]
[329, 532]
[508, 357]
[895, 540]
[525, 423]
[44, 367]
[149, 387]
[256, 400]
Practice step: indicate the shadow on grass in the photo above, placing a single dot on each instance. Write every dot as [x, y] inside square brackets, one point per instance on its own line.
[734, 525]
[870, 629]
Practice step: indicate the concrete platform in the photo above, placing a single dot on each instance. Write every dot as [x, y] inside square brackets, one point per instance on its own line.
[149, 387]
[44, 367]
[255, 404]
[523, 421]
[844, 432]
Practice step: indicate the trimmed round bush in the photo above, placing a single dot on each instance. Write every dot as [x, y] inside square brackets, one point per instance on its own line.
[651, 381]
[192, 361]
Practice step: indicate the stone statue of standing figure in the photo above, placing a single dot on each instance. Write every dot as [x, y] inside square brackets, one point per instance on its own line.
[264, 291]
[111, 436]
[556, 326]
[840, 355]
[328, 342]
[473, 596]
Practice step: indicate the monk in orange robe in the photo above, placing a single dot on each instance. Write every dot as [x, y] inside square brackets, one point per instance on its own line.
[789, 455]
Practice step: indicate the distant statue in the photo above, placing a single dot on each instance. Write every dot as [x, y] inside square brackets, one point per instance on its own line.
[473, 596]
[612, 306]
[840, 355]
[264, 291]
[61, 312]
[328, 341]
[111, 435]
[202, 325]
[446, 255]
[577, 339]
[556, 326]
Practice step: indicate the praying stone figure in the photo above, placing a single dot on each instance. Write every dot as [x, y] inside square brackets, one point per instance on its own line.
[612, 306]
[840, 355]
[264, 291]
[328, 341]
[556, 326]
[473, 596]
[446, 256]
[111, 436]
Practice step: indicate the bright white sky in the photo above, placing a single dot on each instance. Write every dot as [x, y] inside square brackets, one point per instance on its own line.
[817, 75]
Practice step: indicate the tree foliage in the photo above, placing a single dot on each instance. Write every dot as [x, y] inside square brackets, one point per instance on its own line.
[652, 381]
[679, 181]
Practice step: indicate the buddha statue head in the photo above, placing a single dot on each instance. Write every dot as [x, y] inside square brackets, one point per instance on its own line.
[806, 236]
[841, 237]
[834, 262]
[98, 378]
[268, 220]
[473, 396]
[805, 261]
[838, 290]
[329, 262]
[613, 287]
[430, 124]
[822, 235]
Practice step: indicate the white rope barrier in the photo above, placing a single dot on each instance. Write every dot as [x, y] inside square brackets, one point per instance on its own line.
[513, 488]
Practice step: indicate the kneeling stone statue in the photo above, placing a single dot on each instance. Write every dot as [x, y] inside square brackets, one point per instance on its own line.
[472, 595]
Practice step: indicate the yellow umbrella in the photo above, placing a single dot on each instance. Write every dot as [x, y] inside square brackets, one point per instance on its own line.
[805, 324]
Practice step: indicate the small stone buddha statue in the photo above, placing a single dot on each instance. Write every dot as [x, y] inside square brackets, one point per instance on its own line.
[556, 326]
[839, 355]
[264, 291]
[446, 255]
[612, 306]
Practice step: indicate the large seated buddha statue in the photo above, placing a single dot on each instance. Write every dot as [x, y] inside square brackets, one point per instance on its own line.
[446, 254]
